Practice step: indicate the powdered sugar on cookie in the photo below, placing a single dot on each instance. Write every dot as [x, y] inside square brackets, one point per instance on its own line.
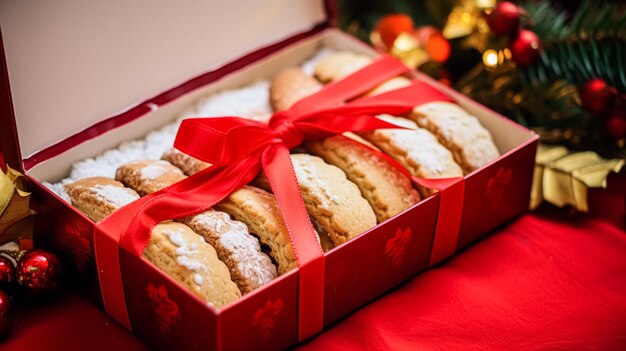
[116, 195]
[185, 251]
[155, 170]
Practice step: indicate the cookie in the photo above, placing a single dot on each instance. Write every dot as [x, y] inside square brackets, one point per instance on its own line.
[417, 150]
[249, 267]
[391, 84]
[289, 86]
[148, 176]
[185, 256]
[98, 197]
[174, 248]
[189, 165]
[322, 236]
[333, 201]
[470, 143]
[387, 189]
[339, 65]
[259, 210]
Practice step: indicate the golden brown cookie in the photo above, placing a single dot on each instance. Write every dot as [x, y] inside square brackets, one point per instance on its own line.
[174, 248]
[289, 86]
[387, 189]
[331, 199]
[417, 150]
[98, 197]
[185, 256]
[391, 84]
[189, 165]
[249, 267]
[339, 65]
[148, 176]
[259, 210]
[470, 143]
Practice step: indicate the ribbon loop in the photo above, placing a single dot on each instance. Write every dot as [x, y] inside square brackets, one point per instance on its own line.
[218, 140]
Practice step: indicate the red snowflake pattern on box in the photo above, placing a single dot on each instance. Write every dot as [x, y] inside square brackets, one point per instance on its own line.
[266, 317]
[396, 246]
[496, 186]
[78, 247]
[165, 308]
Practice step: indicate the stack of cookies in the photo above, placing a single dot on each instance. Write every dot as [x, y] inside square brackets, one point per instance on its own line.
[347, 184]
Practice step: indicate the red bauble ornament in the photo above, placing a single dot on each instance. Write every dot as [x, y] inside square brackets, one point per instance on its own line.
[7, 272]
[6, 315]
[39, 272]
[525, 48]
[615, 124]
[504, 19]
[391, 26]
[596, 96]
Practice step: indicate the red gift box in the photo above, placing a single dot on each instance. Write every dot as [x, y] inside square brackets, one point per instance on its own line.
[159, 309]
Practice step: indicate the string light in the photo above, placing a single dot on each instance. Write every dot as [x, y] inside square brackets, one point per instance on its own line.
[490, 58]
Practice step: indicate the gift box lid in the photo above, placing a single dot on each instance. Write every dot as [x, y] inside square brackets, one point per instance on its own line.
[71, 64]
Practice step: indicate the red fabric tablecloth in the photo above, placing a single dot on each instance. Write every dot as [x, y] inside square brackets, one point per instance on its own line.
[546, 281]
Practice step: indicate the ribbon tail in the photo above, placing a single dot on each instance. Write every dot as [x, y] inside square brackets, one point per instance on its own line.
[451, 192]
[282, 178]
[130, 227]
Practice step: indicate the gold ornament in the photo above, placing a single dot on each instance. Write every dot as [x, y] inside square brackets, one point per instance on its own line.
[466, 19]
[405, 48]
[15, 212]
[460, 23]
[563, 177]
[408, 50]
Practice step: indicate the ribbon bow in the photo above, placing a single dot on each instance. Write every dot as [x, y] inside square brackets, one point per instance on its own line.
[239, 149]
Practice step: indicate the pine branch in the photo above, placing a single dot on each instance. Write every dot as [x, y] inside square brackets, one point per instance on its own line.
[592, 44]
[552, 109]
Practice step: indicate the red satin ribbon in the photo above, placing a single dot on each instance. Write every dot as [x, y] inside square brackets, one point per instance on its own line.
[239, 149]
[451, 195]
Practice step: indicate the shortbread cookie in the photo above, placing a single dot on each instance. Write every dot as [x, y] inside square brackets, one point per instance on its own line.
[359, 139]
[185, 256]
[386, 188]
[331, 199]
[339, 65]
[417, 150]
[148, 176]
[291, 85]
[322, 236]
[189, 165]
[325, 241]
[470, 143]
[98, 197]
[391, 84]
[259, 210]
[174, 248]
[249, 267]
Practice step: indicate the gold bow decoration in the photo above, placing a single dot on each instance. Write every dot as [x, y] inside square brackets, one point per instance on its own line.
[15, 212]
[563, 177]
